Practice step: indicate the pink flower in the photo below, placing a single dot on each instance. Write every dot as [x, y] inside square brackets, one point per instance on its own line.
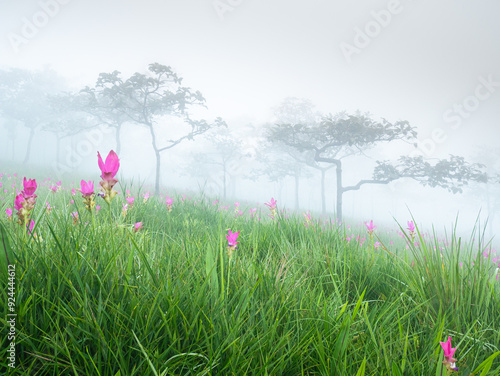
[130, 200]
[232, 237]
[448, 355]
[110, 167]
[97, 208]
[31, 226]
[272, 203]
[411, 226]
[8, 211]
[137, 226]
[29, 187]
[376, 245]
[108, 172]
[18, 203]
[73, 191]
[370, 226]
[87, 189]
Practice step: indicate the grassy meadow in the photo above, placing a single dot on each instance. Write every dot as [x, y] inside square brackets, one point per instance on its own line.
[96, 294]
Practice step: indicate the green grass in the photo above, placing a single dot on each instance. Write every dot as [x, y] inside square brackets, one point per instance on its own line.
[100, 299]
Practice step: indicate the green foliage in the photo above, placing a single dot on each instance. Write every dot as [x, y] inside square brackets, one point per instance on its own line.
[98, 298]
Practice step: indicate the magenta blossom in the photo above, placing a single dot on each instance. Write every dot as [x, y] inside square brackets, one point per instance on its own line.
[137, 226]
[87, 189]
[18, 203]
[130, 200]
[411, 226]
[8, 211]
[449, 361]
[110, 167]
[232, 242]
[370, 226]
[272, 203]
[29, 187]
[108, 172]
[232, 237]
[31, 226]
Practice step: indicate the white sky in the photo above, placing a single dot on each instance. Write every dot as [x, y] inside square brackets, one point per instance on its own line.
[429, 56]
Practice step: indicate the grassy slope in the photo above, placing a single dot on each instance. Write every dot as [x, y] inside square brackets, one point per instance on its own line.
[294, 300]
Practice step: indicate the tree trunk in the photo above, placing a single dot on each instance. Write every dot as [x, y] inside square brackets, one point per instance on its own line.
[117, 135]
[28, 148]
[297, 176]
[224, 178]
[158, 160]
[323, 200]
[58, 149]
[339, 191]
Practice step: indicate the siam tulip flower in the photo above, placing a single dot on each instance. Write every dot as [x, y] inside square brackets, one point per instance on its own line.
[239, 213]
[376, 245]
[272, 207]
[87, 189]
[252, 212]
[88, 194]
[145, 197]
[8, 211]
[137, 226]
[370, 226]
[411, 228]
[169, 202]
[307, 218]
[73, 192]
[124, 209]
[232, 242]
[449, 361]
[48, 208]
[130, 201]
[108, 172]
[29, 187]
[25, 201]
[97, 208]
[75, 217]
[31, 226]
[19, 201]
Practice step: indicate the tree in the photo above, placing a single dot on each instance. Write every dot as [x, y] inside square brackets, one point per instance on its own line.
[24, 98]
[102, 102]
[338, 137]
[67, 119]
[221, 159]
[144, 98]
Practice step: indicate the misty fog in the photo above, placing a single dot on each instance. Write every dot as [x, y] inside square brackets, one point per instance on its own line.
[248, 69]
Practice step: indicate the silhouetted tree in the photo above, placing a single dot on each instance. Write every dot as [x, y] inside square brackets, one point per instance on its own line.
[338, 137]
[24, 98]
[143, 98]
